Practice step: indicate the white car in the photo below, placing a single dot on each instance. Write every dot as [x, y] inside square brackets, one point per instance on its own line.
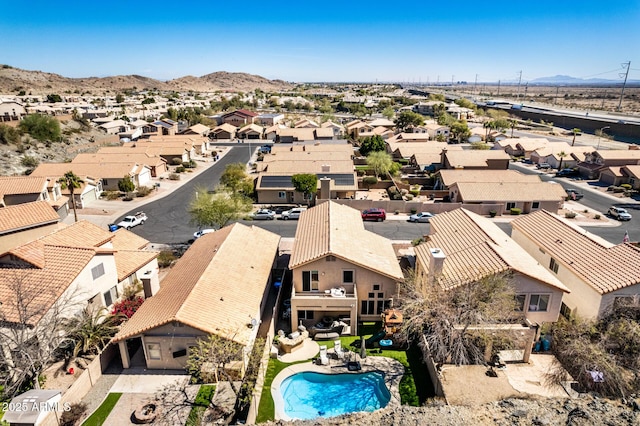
[421, 217]
[201, 232]
[619, 213]
[264, 214]
[293, 213]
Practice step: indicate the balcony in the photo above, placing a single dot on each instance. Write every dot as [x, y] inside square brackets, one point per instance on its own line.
[338, 291]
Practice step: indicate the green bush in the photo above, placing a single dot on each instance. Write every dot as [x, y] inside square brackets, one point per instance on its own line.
[596, 217]
[570, 215]
[30, 162]
[618, 189]
[41, 127]
[409, 197]
[143, 191]
[180, 169]
[369, 180]
[75, 413]
[174, 176]
[111, 195]
[416, 242]
[493, 213]
[625, 186]
[415, 192]
[176, 161]
[9, 135]
[515, 211]
[414, 211]
[189, 164]
[165, 258]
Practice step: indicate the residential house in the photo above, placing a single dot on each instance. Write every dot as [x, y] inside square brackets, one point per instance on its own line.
[340, 269]
[475, 159]
[597, 272]
[331, 160]
[594, 162]
[115, 127]
[356, 127]
[463, 247]
[305, 123]
[197, 129]
[220, 286]
[268, 120]
[460, 113]
[438, 132]
[289, 135]
[66, 271]
[25, 189]
[251, 131]
[100, 176]
[526, 196]
[11, 110]
[239, 118]
[25, 222]
[156, 164]
[426, 108]
[224, 131]
[410, 137]
[445, 178]
[556, 151]
[164, 127]
[382, 122]
[423, 155]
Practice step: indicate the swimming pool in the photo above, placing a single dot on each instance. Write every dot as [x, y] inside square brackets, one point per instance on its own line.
[309, 395]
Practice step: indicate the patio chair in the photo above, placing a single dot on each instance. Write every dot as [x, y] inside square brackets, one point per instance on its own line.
[324, 360]
[338, 349]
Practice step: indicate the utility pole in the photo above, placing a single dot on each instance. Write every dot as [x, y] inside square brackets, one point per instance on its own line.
[498, 88]
[519, 81]
[475, 84]
[627, 66]
[555, 100]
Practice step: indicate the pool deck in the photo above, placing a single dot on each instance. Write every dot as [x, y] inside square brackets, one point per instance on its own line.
[392, 369]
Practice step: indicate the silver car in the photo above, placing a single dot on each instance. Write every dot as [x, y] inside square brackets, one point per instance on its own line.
[264, 214]
[424, 217]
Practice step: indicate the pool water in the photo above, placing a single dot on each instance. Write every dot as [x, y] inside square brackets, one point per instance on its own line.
[309, 395]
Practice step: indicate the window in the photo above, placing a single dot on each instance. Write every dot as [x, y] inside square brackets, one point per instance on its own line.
[110, 296]
[565, 311]
[553, 265]
[539, 302]
[372, 295]
[282, 194]
[535, 205]
[376, 287]
[310, 280]
[305, 315]
[330, 258]
[520, 299]
[511, 206]
[380, 295]
[367, 307]
[153, 351]
[97, 271]
[347, 277]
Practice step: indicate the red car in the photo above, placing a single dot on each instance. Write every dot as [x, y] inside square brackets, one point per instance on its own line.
[374, 214]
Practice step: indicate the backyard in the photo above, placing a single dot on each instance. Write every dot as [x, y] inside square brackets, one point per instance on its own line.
[415, 386]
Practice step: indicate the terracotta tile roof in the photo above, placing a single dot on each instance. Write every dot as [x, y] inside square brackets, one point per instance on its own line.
[510, 191]
[27, 215]
[631, 170]
[130, 261]
[333, 229]
[127, 240]
[55, 269]
[80, 234]
[103, 170]
[225, 127]
[216, 287]
[10, 185]
[602, 265]
[620, 154]
[528, 144]
[121, 157]
[317, 146]
[451, 176]
[474, 248]
[475, 158]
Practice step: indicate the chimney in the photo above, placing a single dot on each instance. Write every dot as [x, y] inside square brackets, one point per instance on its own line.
[325, 188]
[436, 262]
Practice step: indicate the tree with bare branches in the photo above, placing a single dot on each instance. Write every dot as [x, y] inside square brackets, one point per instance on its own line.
[455, 320]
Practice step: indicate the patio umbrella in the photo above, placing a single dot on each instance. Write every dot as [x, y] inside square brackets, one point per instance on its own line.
[363, 348]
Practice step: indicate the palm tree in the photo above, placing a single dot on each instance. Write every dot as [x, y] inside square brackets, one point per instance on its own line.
[575, 131]
[71, 181]
[561, 154]
[91, 331]
[512, 123]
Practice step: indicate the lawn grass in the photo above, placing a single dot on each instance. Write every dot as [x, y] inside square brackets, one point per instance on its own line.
[415, 386]
[203, 399]
[100, 415]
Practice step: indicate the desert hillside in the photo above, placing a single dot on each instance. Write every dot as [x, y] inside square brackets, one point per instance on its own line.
[13, 80]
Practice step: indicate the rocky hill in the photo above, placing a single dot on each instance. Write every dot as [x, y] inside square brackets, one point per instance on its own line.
[13, 80]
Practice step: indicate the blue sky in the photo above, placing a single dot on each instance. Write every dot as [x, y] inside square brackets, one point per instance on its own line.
[325, 41]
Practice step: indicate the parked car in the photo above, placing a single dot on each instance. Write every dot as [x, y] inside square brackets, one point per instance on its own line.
[421, 217]
[619, 213]
[567, 173]
[265, 149]
[574, 194]
[543, 166]
[130, 221]
[264, 214]
[293, 213]
[201, 232]
[374, 214]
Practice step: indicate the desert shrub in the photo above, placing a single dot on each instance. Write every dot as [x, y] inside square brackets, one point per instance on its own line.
[111, 195]
[570, 215]
[610, 188]
[165, 258]
[515, 211]
[75, 413]
[180, 169]
[596, 217]
[143, 191]
[414, 211]
[41, 127]
[369, 180]
[9, 135]
[414, 192]
[127, 307]
[625, 186]
[127, 198]
[493, 213]
[189, 164]
[618, 189]
[174, 176]
[30, 162]
[416, 242]
[409, 197]
[176, 161]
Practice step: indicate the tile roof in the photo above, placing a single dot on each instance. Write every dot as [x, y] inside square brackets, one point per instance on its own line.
[27, 215]
[451, 176]
[119, 157]
[130, 261]
[80, 234]
[333, 229]
[10, 185]
[127, 240]
[216, 286]
[101, 170]
[602, 265]
[620, 154]
[226, 127]
[475, 247]
[510, 191]
[475, 158]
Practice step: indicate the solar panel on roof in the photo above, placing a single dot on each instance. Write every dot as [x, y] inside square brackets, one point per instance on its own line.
[340, 179]
[276, 182]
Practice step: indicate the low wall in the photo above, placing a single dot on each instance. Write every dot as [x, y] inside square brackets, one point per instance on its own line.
[432, 369]
[407, 206]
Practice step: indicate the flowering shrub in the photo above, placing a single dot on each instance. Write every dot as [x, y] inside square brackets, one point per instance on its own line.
[127, 307]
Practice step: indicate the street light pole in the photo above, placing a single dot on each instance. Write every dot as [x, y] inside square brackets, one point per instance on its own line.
[600, 135]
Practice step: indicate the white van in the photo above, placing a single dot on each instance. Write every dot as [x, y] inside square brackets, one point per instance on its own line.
[293, 213]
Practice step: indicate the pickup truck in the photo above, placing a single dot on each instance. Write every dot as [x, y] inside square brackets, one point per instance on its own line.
[130, 221]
